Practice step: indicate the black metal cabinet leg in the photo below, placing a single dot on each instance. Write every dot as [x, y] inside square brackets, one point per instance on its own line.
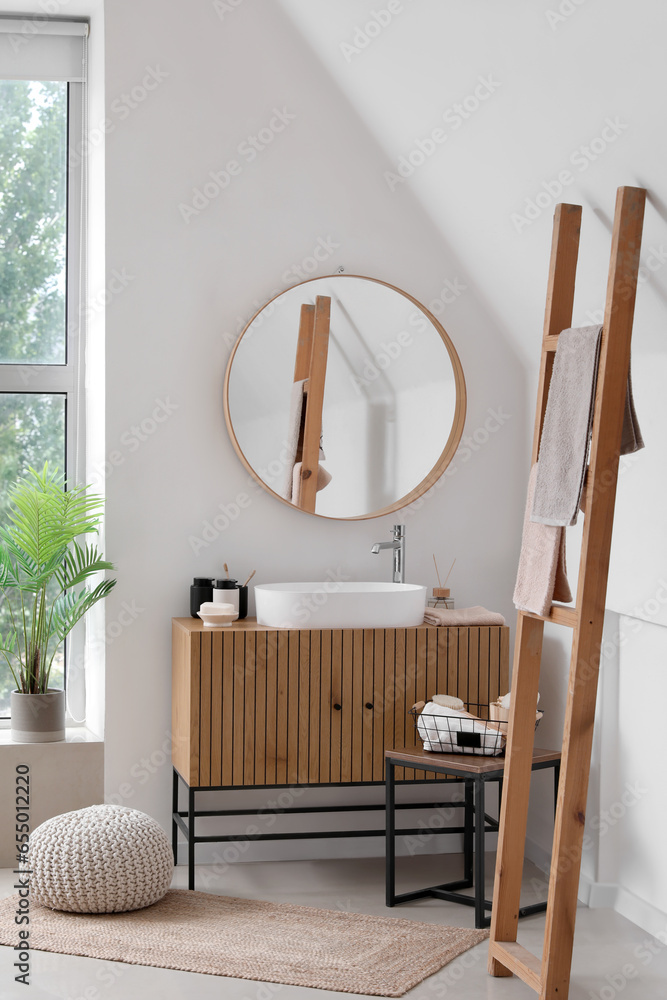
[191, 838]
[390, 844]
[479, 853]
[556, 781]
[468, 827]
[174, 810]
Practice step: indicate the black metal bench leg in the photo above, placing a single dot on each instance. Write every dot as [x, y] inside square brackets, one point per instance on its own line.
[390, 847]
[174, 810]
[191, 838]
[479, 853]
[469, 825]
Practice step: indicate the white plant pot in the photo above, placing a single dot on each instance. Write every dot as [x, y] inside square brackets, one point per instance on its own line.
[38, 718]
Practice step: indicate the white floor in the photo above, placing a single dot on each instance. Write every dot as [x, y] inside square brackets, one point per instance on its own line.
[612, 957]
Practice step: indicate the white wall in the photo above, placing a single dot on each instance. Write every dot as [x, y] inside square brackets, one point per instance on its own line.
[170, 330]
[625, 862]
[454, 231]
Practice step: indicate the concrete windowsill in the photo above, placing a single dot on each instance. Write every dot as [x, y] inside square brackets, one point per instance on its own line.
[77, 734]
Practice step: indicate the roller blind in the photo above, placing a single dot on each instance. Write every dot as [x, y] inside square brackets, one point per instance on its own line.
[40, 49]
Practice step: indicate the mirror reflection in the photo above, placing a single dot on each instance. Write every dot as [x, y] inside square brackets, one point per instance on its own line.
[345, 397]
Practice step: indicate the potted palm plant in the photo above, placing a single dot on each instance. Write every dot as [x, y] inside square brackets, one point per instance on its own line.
[44, 574]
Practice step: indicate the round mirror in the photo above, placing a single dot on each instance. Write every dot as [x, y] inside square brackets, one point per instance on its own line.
[345, 397]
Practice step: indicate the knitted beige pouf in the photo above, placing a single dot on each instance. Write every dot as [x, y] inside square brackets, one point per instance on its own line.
[103, 859]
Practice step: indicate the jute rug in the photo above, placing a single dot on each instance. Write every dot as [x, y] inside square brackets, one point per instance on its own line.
[250, 939]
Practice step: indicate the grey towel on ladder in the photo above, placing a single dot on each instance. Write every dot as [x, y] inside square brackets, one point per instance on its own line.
[567, 427]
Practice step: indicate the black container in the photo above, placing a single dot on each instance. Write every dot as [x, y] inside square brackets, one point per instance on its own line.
[201, 591]
[243, 602]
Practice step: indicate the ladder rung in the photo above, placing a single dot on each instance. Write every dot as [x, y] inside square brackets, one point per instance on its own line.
[520, 961]
[559, 614]
[550, 343]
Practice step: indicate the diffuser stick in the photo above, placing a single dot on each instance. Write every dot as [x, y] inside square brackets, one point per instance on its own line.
[450, 571]
[436, 570]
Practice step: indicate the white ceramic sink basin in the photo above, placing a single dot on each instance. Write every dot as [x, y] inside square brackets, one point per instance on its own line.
[340, 605]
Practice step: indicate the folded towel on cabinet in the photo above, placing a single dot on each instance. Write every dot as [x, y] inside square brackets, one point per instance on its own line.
[542, 575]
[462, 616]
[568, 420]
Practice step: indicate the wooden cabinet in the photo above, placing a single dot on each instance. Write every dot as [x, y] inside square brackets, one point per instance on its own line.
[256, 706]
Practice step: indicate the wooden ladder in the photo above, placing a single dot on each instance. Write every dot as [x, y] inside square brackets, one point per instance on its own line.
[550, 975]
[311, 365]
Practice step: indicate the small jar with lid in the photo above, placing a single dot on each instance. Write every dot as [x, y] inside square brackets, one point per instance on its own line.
[226, 592]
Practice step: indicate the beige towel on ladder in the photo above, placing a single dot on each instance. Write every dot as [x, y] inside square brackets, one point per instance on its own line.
[542, 575]
[568, 421]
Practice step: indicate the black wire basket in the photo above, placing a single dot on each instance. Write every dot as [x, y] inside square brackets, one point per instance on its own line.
[478, 736]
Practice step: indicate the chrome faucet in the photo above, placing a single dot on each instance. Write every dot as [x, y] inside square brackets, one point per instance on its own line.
[398, 545]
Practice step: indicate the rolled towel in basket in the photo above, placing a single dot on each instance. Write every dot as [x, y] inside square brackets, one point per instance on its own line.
[448, 730]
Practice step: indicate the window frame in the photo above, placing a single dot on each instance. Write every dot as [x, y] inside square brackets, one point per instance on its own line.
[68, 379]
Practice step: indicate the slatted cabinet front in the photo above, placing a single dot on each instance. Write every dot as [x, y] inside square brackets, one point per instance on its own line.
[254, 706]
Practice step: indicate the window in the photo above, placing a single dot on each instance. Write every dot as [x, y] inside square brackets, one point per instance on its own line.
[42, 264]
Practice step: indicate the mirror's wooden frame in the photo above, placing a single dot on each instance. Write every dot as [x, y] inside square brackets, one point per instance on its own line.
[455, 434]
